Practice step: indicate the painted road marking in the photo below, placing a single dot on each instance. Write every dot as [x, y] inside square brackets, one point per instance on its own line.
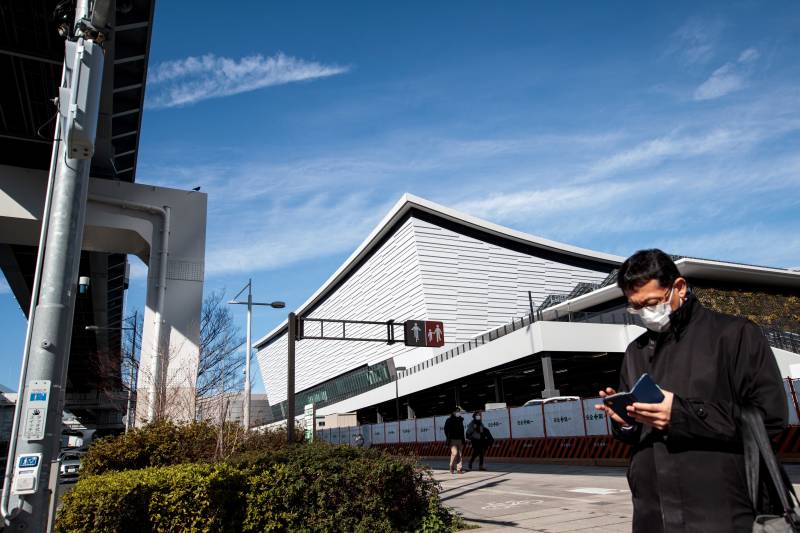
[597, 490]
[532, 495]
[493, 506]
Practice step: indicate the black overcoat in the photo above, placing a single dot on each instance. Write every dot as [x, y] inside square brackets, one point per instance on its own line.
[690, 477]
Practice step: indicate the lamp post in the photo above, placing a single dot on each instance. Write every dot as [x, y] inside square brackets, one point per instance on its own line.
[133, 363]
[250, 303]
[397, 370]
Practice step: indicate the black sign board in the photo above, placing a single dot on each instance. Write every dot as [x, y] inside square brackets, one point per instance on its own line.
[428, 333]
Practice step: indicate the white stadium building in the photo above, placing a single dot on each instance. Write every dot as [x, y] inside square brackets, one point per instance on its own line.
[524, 318]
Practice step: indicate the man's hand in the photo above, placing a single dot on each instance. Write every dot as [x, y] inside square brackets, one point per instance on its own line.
[609, 412]
[656, 415]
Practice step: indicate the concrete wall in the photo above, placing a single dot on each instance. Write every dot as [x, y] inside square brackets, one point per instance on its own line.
[110, 228]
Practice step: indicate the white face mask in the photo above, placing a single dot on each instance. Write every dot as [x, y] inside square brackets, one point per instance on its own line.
[655, 317]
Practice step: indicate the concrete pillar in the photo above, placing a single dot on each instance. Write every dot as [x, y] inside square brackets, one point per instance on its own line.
[550, 389]
[498, 389]
[113, 229]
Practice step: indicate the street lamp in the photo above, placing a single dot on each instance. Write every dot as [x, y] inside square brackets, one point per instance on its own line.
[133, 361]
[397, 370]
[250, 303]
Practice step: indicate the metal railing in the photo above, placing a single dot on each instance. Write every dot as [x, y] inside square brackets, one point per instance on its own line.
[784, 340]
[777, 338]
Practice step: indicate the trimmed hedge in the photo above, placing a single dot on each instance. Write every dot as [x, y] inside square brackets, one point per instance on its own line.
[165, 443]
[158, 444]
[176, 498]
[303, 488]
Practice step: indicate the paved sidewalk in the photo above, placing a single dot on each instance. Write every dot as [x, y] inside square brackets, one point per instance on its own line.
[543, 498]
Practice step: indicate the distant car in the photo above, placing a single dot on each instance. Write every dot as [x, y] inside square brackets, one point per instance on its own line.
[70, 465]
[554, 399]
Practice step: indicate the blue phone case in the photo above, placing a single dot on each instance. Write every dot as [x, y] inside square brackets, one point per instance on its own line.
[644, 391]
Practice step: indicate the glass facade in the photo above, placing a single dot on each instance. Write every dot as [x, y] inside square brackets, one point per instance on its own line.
[337, 389]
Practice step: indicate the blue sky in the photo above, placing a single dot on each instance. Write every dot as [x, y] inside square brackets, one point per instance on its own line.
[612, 126]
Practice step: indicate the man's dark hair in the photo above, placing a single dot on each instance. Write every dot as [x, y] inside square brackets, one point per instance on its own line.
[646, 265]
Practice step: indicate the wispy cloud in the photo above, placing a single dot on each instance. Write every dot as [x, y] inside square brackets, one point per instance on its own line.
[285, 233]
[193, 79]
[540, 203]
[681, 146]
[728, 78]
[739, 244]
[716, 167]
[4, 288]
[696, 40]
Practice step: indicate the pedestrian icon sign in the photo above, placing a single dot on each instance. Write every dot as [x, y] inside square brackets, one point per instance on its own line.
[424, 333]
[434, 332]
[414, 333]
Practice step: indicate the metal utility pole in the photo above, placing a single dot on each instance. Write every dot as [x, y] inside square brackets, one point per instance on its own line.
[248, 348]
[397, 371]
[292, 338]
[36, 434]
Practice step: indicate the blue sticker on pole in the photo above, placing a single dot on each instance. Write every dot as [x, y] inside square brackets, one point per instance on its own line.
[28, 461]
[38, 397]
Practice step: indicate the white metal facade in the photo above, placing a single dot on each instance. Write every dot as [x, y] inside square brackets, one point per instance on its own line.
[422, 271]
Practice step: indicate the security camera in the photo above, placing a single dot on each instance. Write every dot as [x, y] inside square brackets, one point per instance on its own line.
[83, 284]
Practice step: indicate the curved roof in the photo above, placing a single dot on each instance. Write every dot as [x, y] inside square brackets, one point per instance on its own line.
[409, 203]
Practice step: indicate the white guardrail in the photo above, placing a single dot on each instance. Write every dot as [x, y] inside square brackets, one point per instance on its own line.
[559, 419]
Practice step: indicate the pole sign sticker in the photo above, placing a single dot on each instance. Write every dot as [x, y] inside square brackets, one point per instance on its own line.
[26, 473]
[37, 396]
[310, 416]
[424, 333]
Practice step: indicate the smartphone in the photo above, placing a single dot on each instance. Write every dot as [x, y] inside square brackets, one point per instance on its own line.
[644, 391]
[618, 403]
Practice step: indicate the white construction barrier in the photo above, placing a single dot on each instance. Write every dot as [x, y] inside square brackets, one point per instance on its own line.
[378, 434]
[408, 431]
[564, 419]
[596, 423]
[555, 419]
[497, 422]
[425, 430]
[527, 422]
[392, 433]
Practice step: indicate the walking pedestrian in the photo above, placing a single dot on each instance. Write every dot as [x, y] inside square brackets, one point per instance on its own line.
[480, 438]
[454, 435]
[687, 471]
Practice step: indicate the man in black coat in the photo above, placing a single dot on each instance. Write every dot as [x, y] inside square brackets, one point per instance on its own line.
[687, 469]
[454, 433]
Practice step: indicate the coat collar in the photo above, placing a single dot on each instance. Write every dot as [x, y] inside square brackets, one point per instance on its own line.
[680, 318]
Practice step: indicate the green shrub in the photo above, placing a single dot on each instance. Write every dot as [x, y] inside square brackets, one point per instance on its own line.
[165, 443]
[175, 498]
[158, 444]
[300, 488]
